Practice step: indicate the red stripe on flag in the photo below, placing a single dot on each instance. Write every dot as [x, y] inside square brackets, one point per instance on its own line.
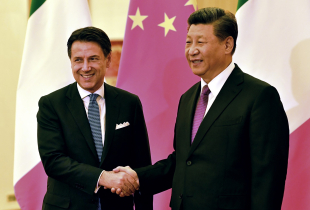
[31, 188]
[297, 193]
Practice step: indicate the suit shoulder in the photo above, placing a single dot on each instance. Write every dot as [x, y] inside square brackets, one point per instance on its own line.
[121, 92]
[249, 79]
[254, 84]
[192, 89]
[238, 76]
[60, 92]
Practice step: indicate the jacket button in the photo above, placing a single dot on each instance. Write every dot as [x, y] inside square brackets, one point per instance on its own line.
[189, 163]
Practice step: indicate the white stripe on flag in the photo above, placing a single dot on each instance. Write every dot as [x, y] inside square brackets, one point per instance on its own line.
[45, 68]
[270, 33]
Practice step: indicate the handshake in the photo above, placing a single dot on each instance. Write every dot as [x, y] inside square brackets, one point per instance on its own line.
[122, 180]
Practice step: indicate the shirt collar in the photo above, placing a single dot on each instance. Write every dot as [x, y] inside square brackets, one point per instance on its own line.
[84, 93]
[218, 82]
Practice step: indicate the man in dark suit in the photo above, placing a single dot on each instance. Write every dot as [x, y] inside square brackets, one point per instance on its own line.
[88, 128]
[236, 156]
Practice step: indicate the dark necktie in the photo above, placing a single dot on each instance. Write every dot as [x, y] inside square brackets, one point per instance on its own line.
[200, 110]
[94, 121]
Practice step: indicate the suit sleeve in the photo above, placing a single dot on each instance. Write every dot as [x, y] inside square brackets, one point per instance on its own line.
[55, 154]
[158, 177]
[269, 143]
[142, 156]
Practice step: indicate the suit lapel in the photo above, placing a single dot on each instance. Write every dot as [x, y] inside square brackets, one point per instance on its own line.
[229, 91]
[187, 124]
[77, 109]
[112, 112]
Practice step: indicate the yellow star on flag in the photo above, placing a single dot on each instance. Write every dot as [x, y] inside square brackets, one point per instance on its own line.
[137, 19]
[192, 2]
[168, 24]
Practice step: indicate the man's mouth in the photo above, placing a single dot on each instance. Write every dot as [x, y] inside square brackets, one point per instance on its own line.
[87, 75]
[196, 61]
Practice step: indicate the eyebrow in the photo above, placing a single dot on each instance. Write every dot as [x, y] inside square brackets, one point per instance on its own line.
[200, 36]
[92, 56]
[89, 56]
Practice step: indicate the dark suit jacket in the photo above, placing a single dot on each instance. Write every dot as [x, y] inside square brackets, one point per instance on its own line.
[68, 152]
[238, 159]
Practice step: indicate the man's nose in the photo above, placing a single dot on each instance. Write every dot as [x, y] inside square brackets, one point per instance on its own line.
[86, 66]
[193, 50]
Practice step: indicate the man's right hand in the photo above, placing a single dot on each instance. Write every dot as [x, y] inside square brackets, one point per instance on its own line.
[120, 180]
[128, 171]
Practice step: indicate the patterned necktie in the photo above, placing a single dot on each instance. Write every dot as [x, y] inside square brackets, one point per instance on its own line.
[200, 110]
[94, 121]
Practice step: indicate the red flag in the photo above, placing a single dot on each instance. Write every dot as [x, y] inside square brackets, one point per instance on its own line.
[297, 181]
[153, 66]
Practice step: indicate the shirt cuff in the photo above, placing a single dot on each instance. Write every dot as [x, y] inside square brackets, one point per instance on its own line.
[97, 186]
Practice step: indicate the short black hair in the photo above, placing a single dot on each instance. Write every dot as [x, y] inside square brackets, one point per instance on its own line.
[90, 34]
[223, 21]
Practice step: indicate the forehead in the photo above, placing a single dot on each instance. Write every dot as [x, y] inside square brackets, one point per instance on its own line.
[201, 30]
[86, 47]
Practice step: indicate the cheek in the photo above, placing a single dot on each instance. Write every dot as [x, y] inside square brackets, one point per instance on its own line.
[74, 70]
[187, 48]
[186, 54]
[75, 67]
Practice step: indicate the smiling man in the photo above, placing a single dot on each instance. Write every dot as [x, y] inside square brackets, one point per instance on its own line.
[80, 138]
[231, 134]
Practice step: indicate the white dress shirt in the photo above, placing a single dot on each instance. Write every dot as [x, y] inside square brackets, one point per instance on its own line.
[216, 84]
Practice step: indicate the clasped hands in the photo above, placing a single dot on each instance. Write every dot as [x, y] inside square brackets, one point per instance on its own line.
[122, 180]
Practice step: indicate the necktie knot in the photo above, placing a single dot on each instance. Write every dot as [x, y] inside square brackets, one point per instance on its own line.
[93, 97]
[205, 90]
[205, 95]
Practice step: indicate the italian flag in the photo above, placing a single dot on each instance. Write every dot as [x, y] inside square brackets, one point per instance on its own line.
[45, 68]
[274, 45]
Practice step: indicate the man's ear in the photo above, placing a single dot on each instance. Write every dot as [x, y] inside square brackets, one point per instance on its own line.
[229, 44]
[108, 59]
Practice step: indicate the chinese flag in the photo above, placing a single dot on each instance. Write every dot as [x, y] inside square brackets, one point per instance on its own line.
[153, 66]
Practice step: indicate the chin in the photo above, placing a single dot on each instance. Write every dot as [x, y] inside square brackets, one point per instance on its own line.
[197, 73]
[87, 87]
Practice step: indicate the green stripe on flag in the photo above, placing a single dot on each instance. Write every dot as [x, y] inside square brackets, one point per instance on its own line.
[240, 3]
[35, 4]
